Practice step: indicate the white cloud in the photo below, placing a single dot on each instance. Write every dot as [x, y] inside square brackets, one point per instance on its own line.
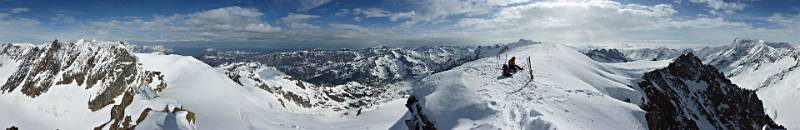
[306, 5]
[342, 12]
[15, 28]
[594, 21]
[222, 23]
[349, 30]
[297, 18]
[721, 5]
[299, 21]
[380, 13]
[789, 23]
[371, 12]
[19, 10]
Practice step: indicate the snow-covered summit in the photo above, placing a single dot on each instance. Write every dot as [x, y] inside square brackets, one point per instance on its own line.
[746, 54]
[569, 91]
[767, 67]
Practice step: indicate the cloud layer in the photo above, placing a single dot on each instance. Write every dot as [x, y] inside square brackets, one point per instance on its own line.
[421, 22]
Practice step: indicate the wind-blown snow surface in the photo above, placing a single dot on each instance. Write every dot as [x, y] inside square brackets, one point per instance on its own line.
[569, 91]
[220, 103]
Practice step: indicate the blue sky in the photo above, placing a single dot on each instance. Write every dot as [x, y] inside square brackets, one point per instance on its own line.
[360, 23]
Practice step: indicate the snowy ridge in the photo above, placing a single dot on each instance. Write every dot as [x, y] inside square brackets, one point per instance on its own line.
[569, 91]
[607, 55]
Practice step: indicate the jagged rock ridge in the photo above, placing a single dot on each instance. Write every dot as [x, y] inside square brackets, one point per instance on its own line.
[688, 94]
[607, 55]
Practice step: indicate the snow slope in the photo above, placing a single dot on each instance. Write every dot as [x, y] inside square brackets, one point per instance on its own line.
[569, 91]
[221, 103]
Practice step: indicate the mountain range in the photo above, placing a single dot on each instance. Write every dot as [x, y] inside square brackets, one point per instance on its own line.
[92, 84]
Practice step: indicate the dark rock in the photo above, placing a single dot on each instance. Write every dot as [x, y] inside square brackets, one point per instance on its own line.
[688, 94]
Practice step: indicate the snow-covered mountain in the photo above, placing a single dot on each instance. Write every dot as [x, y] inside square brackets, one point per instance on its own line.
[614, 55]
[377, 66]
[767, 67]
[83, 85]
[660, 53]
[298, 96]
[770, 69]
[571, 91]
[345, 80]
[94, 84]
[688, 94]
[607, 55]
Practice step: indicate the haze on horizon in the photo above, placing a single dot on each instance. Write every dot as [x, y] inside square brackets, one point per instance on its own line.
[353, 23]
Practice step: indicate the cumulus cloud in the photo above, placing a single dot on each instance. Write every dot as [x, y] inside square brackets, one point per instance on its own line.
[595, 21]
[721, 5]
[221, 23]
[380, 13]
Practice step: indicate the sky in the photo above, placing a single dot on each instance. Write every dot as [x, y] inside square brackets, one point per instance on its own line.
[365, 23]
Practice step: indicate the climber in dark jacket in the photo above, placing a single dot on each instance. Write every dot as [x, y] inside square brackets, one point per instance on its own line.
[513, 65]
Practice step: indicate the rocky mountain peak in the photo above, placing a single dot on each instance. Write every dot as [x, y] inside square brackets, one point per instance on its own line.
[760, 43]
[688, 65]
[607, 55]
[689, 94]
[109, 66]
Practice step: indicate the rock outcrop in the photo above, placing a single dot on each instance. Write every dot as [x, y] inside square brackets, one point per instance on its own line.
[688, 94]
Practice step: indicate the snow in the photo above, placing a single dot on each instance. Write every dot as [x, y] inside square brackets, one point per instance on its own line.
[769, 68]
[220, 103]
[63, 110]
[570, 91]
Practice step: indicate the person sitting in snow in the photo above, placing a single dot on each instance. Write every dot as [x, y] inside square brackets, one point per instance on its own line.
[513, 65]
[510, 67]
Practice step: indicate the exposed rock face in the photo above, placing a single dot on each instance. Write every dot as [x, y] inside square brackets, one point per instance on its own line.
[107, 70]
[607, 55]
[691, 95]
[111, 67]
[418, 120]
